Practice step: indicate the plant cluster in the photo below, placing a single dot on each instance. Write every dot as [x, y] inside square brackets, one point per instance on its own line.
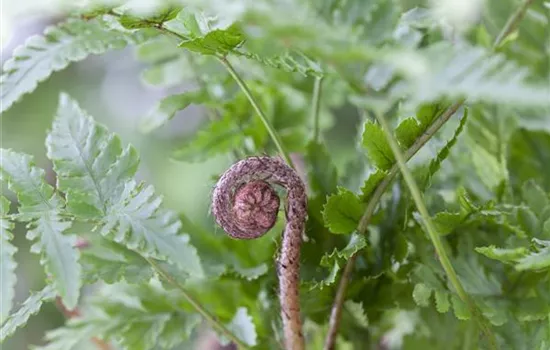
[428, 223]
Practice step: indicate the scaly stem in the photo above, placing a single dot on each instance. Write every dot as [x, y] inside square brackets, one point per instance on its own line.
[432, 233]
[510, 26]
[271, 131]
[197, 306]
[315, 106]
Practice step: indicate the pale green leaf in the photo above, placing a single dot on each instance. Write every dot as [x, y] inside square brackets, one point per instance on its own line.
[422, 294]
[90, 163]
[407, 131]
[138, 221]
[358, 312]
[535, 197]
[342, 211]
[355, 244]
[30, 306]
[442, 303]
[445, 222]
[460, 308]
[40, 205]
[67, 42]
[243, 327]
[506, 255]
[378, 148]
[168, 107]
[7, 261]
[537, 260]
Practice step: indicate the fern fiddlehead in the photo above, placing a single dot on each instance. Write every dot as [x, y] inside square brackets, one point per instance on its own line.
[245, 205]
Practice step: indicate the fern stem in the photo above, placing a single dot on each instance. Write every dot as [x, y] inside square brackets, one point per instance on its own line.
[315, 106]
[211, 319]
[336, 311]
[512, 23]
[270, 130]
[432, 233]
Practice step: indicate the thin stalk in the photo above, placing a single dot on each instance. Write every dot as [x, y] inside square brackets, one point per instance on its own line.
[432, 233]
[512, 23]
[510, 26]
[197, 306]
[271, 131]
[315, 106]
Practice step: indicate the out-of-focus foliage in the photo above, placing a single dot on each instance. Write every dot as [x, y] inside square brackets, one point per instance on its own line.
[483, 176]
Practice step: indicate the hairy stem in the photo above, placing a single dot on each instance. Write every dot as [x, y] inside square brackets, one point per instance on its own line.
[270, 130]
[334, 321]
[315, 106]
[214, 323]
[245, 205]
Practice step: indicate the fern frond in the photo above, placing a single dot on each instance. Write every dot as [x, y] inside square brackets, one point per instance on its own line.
[30, 307]
[60, 45]
[96, 173]
[7, 261]
[40, 206]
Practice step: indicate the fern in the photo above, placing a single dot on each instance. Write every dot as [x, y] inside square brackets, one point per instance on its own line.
[96, 173]
[60, 45]
[457, 71]
[7, 261]
[40, 206]
[30, 307]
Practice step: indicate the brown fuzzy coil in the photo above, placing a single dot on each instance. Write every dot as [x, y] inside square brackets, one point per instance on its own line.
[245, 205]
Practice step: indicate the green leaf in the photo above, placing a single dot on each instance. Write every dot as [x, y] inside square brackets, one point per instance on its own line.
[220, 136]
[112, 262]
[372, 183]
[442, 303]
[505, 255]
[289, 62]
[322, 174]
[528, 158]
[40, 206]
[407, 131]
[138, 221]
[446, 222]
[96, 174]
[435, 164]
[422, 294]
[67, 42]
[167, 108]
[357, 312]
[215, 42]
[131, 22]
[535, 197]
[140, 317]
[462, 312]
[355, 244]
[30, 307]
[7, 261]
[90, 163]
[377, 146]
[538, 260]
[342, 211]
[464, 71]
[243, 327]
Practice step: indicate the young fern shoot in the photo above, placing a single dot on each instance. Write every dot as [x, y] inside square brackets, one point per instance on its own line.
[245, 205]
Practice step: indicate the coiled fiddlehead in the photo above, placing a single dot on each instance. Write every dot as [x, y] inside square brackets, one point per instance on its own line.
[245, 205]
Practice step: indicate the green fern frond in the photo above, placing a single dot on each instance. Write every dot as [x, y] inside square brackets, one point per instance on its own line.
[60, 45]
[96, 174]
[40, 206]
[7, 261]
